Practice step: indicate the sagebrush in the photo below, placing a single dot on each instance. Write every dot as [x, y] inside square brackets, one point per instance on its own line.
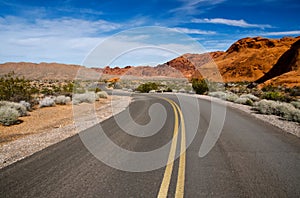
[62, 100]
[282, 109]
[47, 102]
[88, 97]
[8, 116]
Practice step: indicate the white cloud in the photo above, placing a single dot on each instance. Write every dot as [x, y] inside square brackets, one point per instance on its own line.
[238, 23]
[295, 32]
[67, 40]
[59, 40]
[194, 31]
[192, 6]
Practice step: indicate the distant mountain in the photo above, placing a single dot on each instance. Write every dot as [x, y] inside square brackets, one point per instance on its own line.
[248, 59]
[49, 71]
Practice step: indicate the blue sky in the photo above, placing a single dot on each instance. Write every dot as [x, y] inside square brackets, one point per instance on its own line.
[66, 31]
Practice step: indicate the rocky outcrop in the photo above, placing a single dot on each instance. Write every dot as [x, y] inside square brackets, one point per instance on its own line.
[289, 61]
[286, 72]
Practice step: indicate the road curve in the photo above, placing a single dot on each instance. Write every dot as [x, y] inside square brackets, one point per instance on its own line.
[250, 159]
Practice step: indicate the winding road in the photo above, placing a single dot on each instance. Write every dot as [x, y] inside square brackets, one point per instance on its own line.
[246, 158]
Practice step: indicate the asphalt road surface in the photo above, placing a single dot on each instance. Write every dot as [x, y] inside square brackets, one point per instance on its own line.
[250, 158]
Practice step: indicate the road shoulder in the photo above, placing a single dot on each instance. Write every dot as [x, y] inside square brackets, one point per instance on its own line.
[23, 147]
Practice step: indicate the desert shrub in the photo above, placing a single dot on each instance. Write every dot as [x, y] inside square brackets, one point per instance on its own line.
[68, 88]
[13, 105]
[8, 115]
[244, 101]
[94, 89]
[269, 88]
[295, 91]
[295, 116]
[265, 106]
[102, 94]
[285, 110]
[146, 87]
[200, 86]
[229, 96]
[27, 105]
[296, 104]
[62, 100]
[277, 96]
[14, 89]
[218, 94]
[47, 91]
[250, 96]
[47, 102]
[88, 97]
[168, 89]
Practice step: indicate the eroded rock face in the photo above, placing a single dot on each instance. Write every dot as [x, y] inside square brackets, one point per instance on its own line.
[287, 66]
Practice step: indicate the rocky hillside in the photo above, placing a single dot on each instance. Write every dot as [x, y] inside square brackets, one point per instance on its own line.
[189, 64]
[49, 71]
[248, 59]
[286, 71]
[142, 71]
[251, 58]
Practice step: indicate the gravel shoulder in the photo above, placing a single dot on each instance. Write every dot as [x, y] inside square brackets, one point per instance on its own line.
[47, 126]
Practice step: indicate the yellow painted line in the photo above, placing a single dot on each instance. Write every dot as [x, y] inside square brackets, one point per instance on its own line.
[179, 193]
[181, 170]
[164, 187]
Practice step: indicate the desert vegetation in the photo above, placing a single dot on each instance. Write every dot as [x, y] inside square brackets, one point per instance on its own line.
[18, 96]
[279, 101]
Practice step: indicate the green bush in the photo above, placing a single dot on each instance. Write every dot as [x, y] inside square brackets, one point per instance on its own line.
[47, 91]
[146, 87]
[277, 96]
[68, 88]
[200, 86]
[15, 89]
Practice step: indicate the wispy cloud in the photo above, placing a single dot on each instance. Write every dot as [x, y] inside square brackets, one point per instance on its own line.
[192, 6]
[69, 40]
[238, 23]
[294, 32]
[80, 10]
[59, 40]
[194, 31]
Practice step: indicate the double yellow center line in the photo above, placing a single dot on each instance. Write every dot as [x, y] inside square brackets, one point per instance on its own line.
[163, 191]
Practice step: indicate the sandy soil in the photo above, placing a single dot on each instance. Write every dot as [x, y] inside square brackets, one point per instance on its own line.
[42, 119]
